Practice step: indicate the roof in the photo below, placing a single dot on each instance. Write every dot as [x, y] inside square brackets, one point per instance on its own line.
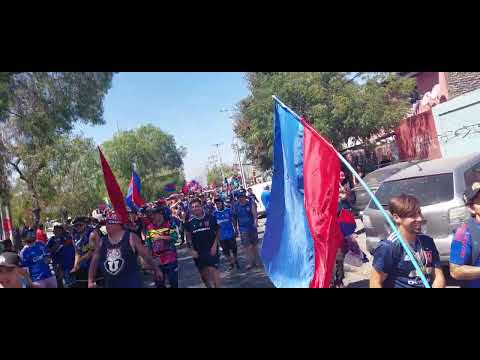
[435, 167]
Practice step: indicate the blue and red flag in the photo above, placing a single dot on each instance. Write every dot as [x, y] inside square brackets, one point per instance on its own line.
[170, 187]
[302, 234]
[134, 194]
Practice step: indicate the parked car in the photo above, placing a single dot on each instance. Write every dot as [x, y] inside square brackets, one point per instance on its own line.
[374, 180]
[439, 185]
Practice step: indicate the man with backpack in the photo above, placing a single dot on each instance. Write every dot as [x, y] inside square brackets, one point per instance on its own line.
[464, 252]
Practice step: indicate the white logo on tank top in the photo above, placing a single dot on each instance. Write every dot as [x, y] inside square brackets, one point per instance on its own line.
[114, 262]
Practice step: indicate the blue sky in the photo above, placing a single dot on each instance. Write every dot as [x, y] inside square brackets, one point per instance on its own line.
[186, 105]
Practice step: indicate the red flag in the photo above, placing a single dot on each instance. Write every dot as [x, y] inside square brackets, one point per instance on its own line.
[321, 171]
[113, 189]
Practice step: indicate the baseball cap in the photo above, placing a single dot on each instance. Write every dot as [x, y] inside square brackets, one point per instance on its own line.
[471, 192]
[79, 220]
[9, 259]
[113, 218]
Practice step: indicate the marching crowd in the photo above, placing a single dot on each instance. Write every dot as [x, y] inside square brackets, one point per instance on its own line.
[101, 251]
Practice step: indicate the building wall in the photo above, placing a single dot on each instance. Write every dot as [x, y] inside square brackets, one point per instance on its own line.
[462, 82]
[426, 81]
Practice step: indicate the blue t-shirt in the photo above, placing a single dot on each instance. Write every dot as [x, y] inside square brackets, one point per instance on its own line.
[391, 258]
[224, 221]
[35, 258]
[461, 252]
[62, 251]
[265, 197]
[244, 215]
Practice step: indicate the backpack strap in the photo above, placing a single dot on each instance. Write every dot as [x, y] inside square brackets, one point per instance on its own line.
[475, 235]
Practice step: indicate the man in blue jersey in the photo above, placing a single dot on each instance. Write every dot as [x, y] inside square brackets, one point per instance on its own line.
[392, 266]
[464, 252]
[62, 251]
[35, 257]
[246, 221]
[265, 197]
[228, 236]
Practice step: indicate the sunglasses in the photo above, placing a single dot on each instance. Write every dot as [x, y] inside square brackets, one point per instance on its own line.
[6, 269]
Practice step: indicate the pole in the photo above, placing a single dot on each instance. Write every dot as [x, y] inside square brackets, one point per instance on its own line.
[220, 160]
[242, 173]
[3, 235]
[372, 196]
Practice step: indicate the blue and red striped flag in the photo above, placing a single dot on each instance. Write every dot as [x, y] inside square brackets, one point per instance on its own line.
[172, 187]
[302, 234]
[134, 194]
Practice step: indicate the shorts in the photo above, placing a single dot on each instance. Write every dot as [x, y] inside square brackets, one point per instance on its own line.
[50, 283]
[229, 245]
[249, 238]
[206, 260]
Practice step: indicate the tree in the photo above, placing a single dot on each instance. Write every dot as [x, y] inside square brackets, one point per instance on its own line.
[38, 107]
[70, 182]
[159, 160]
[338, 106]
[214, 174]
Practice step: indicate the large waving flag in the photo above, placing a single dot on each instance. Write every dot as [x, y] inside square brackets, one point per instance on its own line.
[134, 198]
[113, 189]
[302, 235]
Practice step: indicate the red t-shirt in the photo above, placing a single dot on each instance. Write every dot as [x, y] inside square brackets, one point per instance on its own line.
[41, 236]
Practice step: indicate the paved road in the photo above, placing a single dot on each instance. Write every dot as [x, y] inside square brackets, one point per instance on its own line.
[255, 278]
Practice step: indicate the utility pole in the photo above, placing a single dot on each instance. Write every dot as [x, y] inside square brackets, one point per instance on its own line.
[242, 173]
[220, 160]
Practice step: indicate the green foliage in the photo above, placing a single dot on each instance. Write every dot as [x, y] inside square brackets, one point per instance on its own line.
[339, 108]
[214, 174]
[159, 161]
[36, 109]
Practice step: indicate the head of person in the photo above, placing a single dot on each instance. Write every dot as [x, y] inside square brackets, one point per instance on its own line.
[219, 204]
[267, 188]
[250, 191]
[8, 245]
[342, 176]
[242, 197]
[10, 270]
[158, 215]
[132, 215]
[79, 224]
[58, 229]
[29, 237]
[114, 223]
[472, 199]
[407, 213]
[197, 207]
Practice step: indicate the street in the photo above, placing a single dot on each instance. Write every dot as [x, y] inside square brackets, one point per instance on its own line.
[255, 278]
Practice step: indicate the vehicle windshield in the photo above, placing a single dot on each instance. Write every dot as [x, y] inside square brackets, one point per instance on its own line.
[377, 177]
[428, 190]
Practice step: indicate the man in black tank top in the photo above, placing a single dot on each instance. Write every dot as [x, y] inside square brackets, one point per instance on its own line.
[117, 255]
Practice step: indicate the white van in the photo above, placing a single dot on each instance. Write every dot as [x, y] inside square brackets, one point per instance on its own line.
[258, 190]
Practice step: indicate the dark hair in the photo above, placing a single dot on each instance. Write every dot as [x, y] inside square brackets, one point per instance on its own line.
[404, 206]
[196, 200]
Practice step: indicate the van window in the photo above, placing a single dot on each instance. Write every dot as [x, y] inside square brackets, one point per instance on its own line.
[428, 190]
[472, 175]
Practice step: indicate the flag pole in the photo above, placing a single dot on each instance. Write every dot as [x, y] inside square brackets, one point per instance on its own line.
[370, 193]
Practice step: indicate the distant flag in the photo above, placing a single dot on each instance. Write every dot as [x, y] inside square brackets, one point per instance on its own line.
[134, 194]
[113, 189]
[302, 235]
[172, 187]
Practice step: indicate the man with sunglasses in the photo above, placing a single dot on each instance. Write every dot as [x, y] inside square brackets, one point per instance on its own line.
[85, 239]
